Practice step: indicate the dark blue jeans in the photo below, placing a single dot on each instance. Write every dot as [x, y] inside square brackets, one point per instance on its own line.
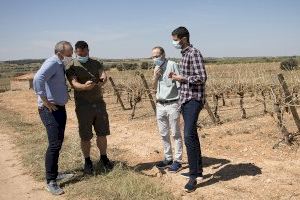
[190, 112]
[55, 123]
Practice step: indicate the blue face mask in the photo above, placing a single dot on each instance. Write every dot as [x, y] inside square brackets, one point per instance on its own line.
[82, 59]
[176, 44]
[158, 61]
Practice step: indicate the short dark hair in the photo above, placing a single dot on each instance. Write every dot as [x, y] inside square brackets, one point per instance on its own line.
[162, 51]
[181, 32]
[81, 45]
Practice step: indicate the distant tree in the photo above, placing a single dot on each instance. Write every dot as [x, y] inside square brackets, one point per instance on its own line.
[289, 64]
[128, 66]
[120, 67]
[145, 65]
[113, 66]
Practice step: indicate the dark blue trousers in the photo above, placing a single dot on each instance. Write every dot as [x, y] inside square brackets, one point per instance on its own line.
[190, 112]
[55, 123]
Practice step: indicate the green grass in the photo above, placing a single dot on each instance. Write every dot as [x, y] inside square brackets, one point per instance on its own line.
[122, 183]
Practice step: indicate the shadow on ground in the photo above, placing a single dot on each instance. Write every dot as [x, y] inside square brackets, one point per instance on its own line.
[232, 171]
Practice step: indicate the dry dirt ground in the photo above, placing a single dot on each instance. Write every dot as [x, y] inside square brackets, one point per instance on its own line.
[239, 161]
[16, 184]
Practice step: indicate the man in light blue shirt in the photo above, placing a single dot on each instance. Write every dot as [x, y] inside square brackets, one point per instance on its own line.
[49, 84]
[167, 108]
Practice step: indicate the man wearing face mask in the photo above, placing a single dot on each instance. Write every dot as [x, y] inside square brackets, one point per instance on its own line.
[168, 115]
[87, 76]
[192, 99]
[50, 85]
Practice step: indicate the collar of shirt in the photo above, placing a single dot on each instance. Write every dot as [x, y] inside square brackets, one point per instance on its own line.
[56, 58]
[164, 65]
[185, 50]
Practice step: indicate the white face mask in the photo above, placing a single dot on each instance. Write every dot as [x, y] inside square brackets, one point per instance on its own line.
[176, 44]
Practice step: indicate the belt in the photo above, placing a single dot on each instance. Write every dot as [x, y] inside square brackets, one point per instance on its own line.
[166, 101]
[59, 107]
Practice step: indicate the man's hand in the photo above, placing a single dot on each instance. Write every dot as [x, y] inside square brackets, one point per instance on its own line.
[103, 79]
[49, 105]
[176, 77]
[89, 85]
[157, 73]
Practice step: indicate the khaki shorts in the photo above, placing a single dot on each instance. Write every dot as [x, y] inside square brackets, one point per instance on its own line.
[92, 115]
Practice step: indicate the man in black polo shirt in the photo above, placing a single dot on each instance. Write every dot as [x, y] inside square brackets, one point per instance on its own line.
[87, 76]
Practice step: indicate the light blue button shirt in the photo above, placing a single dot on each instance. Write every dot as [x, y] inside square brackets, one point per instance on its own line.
[167, 89]
[50, 82]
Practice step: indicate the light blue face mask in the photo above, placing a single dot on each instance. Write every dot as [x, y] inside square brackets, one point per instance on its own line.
[82, 59]
[176, 44]
[158, 61]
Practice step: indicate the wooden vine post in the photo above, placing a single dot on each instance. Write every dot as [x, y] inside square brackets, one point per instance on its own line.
[216, 106]
[241, 94]
[289, 100]
[210, 113]
[263, 94]
[117, 93]
[281, 126]
[148, 92]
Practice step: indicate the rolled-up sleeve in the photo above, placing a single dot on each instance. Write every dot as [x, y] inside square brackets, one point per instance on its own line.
[198, 69]
[176, 71]
[47, 70]
[70, 73]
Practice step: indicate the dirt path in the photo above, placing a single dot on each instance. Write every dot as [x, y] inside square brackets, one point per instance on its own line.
[15, 183]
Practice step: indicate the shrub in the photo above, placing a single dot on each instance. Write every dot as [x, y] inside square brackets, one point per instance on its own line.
[290, 64]
[145, 65]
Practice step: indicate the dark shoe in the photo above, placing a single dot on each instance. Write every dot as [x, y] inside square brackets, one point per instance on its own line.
[191, 185]
[187, 176]
[175, 167]
[107, 164]
[164, 164]
[53, 188]
[88, 168]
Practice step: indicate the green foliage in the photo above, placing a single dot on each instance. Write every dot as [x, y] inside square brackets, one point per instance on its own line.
[289, 64]
[145, 65]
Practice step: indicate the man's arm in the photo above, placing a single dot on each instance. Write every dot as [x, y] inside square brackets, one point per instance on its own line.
[75, 84]
[176, 71]
[156, 76]
[102, 73]
[198, 70]
[47, 70]
[103, 77]
[79, 86]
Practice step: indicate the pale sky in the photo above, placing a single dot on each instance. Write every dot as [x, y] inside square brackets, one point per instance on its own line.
[129, 29]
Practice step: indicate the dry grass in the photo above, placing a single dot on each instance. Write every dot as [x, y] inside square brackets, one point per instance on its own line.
[4, 84]
[122, 183]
